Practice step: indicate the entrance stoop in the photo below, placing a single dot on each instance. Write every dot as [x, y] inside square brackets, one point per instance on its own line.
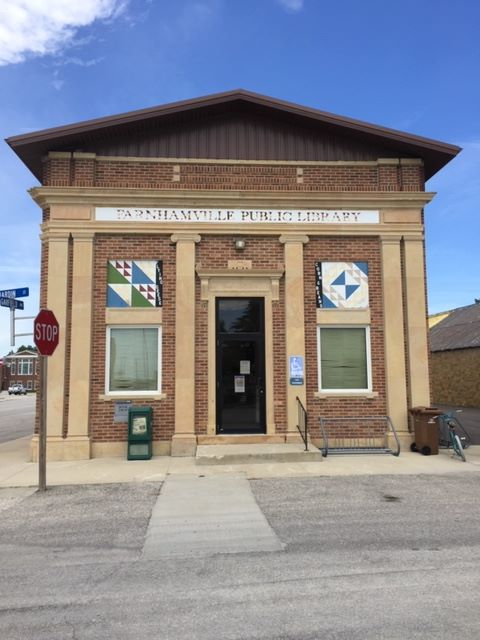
[255, 453]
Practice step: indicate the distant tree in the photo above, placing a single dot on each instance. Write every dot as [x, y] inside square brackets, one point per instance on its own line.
[27, 347]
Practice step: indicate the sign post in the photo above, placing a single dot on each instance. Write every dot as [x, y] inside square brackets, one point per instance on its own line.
[45, 334]
[8, 298]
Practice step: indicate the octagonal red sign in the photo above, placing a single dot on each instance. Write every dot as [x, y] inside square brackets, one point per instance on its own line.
[46, 332]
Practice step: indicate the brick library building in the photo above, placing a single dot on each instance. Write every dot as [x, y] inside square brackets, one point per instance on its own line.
[227, 261]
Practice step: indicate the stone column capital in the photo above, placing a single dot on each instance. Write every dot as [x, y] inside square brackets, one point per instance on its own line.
[296, 238]
[83, 236]
[185, 237]
[413, 238]
[57, 237]
[391, 239]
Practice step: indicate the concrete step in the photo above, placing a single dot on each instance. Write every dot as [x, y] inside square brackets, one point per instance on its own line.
[255, 453]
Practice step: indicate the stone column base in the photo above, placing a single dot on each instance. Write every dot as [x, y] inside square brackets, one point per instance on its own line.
[405, 439]
[34, 449]
[293, 436]
[76, 448]
[58, 448]
[183, 445]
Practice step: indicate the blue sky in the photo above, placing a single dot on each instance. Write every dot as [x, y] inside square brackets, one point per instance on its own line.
[411, 65]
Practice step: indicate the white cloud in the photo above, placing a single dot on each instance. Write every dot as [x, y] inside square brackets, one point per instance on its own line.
[57, 82]
[195, 17]
[79, 62]
[293, 6]
[40, 27]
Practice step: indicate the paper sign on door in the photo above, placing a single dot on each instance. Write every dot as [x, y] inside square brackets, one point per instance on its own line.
[239, 383]
[245, 367]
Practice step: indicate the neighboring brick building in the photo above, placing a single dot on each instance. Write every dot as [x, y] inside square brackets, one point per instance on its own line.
[21, 368]
[218, 257]
[455, 356]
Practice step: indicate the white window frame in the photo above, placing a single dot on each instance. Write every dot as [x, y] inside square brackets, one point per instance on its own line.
[29, 385]
[21, 367]
[126, 392]
[368, 354]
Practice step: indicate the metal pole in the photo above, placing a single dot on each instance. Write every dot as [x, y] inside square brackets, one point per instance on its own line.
[12, 323]
[42, 433]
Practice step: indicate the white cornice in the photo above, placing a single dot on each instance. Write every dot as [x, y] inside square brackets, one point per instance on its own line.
[46, 196]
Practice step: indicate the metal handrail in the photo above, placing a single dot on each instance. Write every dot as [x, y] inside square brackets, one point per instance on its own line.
[302, 422]
[369, 439]
[397, 452]
[324, 449]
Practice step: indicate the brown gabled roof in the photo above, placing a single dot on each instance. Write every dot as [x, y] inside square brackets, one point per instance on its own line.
[93, 134]
[459, 330]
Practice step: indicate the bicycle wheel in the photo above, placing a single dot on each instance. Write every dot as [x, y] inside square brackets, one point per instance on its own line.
[457, 447]
[443, 433]
[462, 433]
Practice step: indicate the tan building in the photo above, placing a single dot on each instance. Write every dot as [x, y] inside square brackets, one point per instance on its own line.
[455, 356]
[217, 258]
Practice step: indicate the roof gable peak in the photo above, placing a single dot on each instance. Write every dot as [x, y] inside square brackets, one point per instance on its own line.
[77, 136]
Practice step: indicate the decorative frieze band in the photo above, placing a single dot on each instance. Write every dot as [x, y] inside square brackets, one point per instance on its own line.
[236, 216]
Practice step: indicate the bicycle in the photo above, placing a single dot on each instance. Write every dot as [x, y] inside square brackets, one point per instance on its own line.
[444, 433]
[450, 422]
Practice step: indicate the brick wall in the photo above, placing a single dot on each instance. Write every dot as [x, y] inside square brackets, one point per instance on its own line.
[110, 247]
[76, 171]
[351, 249]
[214, 252]
[455, 377]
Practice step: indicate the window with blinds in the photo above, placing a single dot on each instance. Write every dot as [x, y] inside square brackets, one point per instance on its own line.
[344, 358]
[133, 359]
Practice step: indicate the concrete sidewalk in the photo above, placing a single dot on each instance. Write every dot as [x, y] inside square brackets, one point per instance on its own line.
[205, 516]
[15, 471]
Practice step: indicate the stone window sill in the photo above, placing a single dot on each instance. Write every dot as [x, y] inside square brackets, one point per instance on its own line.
[126, 396]
[367, 395]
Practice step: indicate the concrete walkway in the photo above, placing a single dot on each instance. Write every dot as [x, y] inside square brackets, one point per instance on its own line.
[16, 471]
[204, 516]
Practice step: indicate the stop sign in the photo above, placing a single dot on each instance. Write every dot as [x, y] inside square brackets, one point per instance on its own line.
[46, 332]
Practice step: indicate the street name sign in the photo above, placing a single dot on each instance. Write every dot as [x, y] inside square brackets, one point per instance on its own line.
[11, 303]
[23, 292]
[46, 332]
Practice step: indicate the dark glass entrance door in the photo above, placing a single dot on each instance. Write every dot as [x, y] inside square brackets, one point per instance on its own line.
[240, 365]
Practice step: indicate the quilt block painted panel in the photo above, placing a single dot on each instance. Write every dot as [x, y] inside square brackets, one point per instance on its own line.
[341, 285]
[134, 283]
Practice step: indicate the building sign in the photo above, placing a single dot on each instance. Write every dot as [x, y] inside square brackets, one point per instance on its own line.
[121, 411]
[236, 216]
[297, 370]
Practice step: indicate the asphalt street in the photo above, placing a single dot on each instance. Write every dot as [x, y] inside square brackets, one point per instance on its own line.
[370, 557]
[17, 416]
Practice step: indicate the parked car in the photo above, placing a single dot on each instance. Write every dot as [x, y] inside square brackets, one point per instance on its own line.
[17, 390]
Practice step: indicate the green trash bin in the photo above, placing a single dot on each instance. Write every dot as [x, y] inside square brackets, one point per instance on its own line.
[426, 430]
[139, 433]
